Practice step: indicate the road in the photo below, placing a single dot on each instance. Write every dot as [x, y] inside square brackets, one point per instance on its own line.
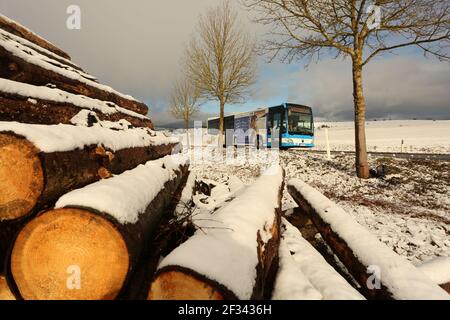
[404, 155]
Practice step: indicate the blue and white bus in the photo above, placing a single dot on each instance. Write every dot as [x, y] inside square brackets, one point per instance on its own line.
[285, 126]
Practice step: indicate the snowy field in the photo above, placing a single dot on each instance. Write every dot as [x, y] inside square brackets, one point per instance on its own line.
[408, 210]
[421, 136]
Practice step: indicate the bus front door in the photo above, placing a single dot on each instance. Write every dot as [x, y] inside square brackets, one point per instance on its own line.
[275, 125]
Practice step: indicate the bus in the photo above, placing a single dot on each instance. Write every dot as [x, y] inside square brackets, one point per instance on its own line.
[285, 126]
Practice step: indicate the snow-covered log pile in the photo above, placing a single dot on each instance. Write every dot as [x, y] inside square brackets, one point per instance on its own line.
[20, 31]
[62, 133]
[24, 61]
[381, 273]
[27, 103]
[99, 231]
[234, 253]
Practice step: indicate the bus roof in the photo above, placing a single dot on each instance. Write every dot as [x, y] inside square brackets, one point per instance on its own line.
[238, 114]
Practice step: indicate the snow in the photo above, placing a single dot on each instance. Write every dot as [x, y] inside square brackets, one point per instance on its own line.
[419, 136]
[291, 283]
[401, 278]
[186, 194]
[437, 269]
[308, 264]
[226, 251]
[82, 119]
[408, 210]
[60, 96]
[33, 57]
[125, 196]
[38, 48]
[62, 137]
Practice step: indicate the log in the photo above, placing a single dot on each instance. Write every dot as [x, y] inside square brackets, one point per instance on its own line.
[99, 231]
[30, 109]
[35, 173]
[234, 255]
[5, 293]
[24, 64]
[381, 272]
[305, 274]
[20, 31]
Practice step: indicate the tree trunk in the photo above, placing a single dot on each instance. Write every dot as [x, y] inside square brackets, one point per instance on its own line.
[20, 109]
[186, 126]
[362, 166]
[105, 249]
[221, 124]
[36, 179]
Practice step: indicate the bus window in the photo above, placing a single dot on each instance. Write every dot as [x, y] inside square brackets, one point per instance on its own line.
[300, 123]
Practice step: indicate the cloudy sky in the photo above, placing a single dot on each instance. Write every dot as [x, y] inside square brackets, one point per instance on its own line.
[136, 45]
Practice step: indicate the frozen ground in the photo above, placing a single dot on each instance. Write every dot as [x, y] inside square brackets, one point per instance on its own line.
[421, 136]
[409, 210]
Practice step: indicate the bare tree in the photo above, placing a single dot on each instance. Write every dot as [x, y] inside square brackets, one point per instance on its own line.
[305, 29]
[184, 101]
[221, 59]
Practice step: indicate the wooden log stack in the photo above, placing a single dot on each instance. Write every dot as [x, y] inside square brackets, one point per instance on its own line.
[64, 134]
[235, 255]
[381, 273]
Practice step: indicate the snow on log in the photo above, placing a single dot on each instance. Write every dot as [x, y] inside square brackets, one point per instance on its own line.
[40, 163]
[305, 274]
[235, 253]
[24, 64]
[369, 260]
[5, 293]
[20, 31]
[26, 103]
[438, 270]
[97, 233]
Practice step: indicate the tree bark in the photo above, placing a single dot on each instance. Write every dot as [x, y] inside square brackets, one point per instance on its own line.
[221, 124]
[20, 109]
[362, 166]
[17, 69]
[102, 238]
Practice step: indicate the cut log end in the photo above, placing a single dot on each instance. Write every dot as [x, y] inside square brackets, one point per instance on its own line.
[176, 285]
[22, 179]
[80, 255]
[5, 293]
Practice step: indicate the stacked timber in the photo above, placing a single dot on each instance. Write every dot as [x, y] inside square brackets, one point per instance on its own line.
[234, 254]
[66, 139]
[380, 272]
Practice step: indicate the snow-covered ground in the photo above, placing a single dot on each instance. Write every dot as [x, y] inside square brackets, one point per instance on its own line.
[425, 136]
[408, 210]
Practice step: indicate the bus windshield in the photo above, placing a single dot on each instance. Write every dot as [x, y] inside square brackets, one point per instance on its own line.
[300, 123]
